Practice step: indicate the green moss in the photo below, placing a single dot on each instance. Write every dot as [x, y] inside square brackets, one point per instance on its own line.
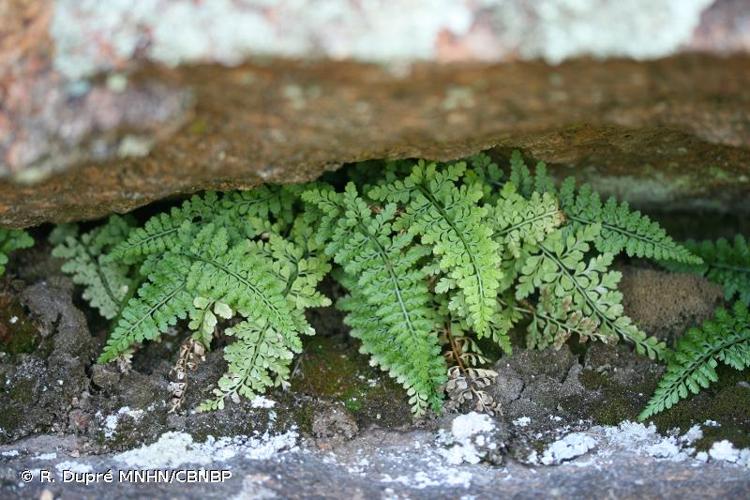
[334, 369]
[727, 402]
[18, 334]
[619, 402]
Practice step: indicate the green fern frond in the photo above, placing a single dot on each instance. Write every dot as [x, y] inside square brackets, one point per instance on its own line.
[390, 308]
[160, 303]
[692, 367]
[724, 262]
[260, 356]
[203, 265]
[243, 214]
[558, 270]
[449, 220]
[258, 359]
[10, 241]
[161, 231]
[622, 229]
[487, 174]
[520, 222]
[107, 283]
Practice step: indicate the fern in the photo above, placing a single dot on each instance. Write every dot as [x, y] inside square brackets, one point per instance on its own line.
[260, 356]
[218, 256]
[107, 283]
[724, 262]
[10, 241]
[567, 282]
[622, 229]
[389, 308]
[449, 220]
[692, 367]
[429, 251]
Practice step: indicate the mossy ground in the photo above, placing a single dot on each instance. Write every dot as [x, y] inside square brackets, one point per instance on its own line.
[18, 333]
[332, 368]
[727, 403]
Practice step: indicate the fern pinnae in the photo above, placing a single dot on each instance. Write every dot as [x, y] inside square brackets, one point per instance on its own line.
[259, 349]
[559, 264]
[443, 213]
[692, 366]
[622, 229]
[160, 304]
[393, 314]
[520, 222]
[10, 241]
[107, 283]
[725, 262]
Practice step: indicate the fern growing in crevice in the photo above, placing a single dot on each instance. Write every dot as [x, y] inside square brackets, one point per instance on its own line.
[577, 289]
[692, 367]
[449, 219]
[107, 284]
[219, 256]
[10, 241]
[622, 229]
[389, 308]
[434, 257]
[725, 262]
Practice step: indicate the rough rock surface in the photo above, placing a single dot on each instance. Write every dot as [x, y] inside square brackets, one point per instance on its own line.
[104, 107]
[344, 430]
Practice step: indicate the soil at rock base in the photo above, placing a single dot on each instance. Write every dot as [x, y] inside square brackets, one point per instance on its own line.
[346, 421]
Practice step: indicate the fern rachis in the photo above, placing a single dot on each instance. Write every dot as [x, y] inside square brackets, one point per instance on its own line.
[692, 366]
[431, 245]
[449, 219]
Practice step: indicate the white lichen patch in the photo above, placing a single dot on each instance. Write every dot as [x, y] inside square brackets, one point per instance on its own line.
[112, 421]
[92, 36]
[76, 467]
[177, 448]
[725, 451]
[522, 421]
[262, 402]
[571, 446]
[469, 439]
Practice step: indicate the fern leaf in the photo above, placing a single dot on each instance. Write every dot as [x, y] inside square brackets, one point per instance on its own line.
[160, 304]
[239, 277]
[242, 214]
[724, 262]
[692, 367]
[261, 354]
[520, 222]
[487, 174]
[558, 270]
[449, 219]
[107, 283]
[161, 232]
[10, 241]
[390, 309]
[622, 229]
[258, 359]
